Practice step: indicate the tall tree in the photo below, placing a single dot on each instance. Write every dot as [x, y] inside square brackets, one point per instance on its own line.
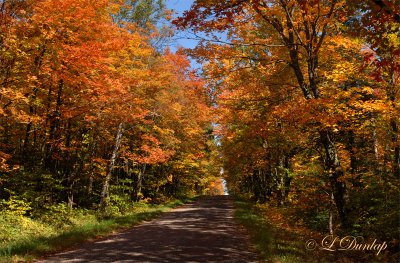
[291, 32]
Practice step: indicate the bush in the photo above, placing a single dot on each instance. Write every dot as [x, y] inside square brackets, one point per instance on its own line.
[15, 227]
[16, 206]
[57, 215]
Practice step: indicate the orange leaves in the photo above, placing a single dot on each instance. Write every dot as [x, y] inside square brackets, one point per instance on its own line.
[215, 187]
[150, 152]
[287, 71]
[78, 39]
[3, 162]
[83, 92]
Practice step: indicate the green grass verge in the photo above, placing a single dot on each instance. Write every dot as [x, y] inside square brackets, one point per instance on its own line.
[29, 239]
[278, 241]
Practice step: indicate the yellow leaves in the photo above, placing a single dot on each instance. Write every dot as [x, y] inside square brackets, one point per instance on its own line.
[177, 107]
[393, 39]
[100, 166]
[170, 178]
[344, 156]
[114, 8]
[341, 55]
[342, 72]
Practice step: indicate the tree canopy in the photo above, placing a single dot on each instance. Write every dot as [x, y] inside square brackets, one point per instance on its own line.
[296, 105]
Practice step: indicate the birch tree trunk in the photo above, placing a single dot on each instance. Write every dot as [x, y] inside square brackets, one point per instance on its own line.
[106, 184]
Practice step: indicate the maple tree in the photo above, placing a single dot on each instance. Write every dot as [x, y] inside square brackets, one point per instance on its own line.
[299, 37]
[92, 111]
[297, 101]
[378, 24]
[302, 98]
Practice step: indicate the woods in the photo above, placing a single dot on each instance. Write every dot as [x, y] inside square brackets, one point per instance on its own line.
[296, 106]
[307, 103]
[92, 112]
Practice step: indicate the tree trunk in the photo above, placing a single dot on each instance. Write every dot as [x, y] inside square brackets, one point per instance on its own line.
[26, 141]
[288, 179]
[331, 215]
[338, 186]
[54, 124]
[392, 94]
[28, 130]
[32, 108]
[375, 141]
[70, 199]
[395, 140]
[106, 184]
[283, 180]
[280, 185]
[91, 176]
[139, 184]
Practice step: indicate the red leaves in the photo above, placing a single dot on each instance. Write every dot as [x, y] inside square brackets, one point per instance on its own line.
[211, 14]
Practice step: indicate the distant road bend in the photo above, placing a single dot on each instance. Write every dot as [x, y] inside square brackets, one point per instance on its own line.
[201, 231]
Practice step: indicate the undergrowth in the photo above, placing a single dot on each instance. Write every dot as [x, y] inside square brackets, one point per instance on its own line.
[24, 238]
[279, 238]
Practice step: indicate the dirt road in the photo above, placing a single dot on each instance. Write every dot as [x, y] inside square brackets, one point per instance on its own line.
[202, 231]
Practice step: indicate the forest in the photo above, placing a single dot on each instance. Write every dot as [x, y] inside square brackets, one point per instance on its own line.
[296, 106]
[307, 96]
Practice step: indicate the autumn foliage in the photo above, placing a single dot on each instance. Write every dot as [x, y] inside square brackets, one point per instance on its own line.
[91, 112]
[306, 98]
[297, 104]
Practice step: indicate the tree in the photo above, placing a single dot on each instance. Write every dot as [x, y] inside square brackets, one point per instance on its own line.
[377, 23]
[88, 110]
[292, 70]
[298, 30]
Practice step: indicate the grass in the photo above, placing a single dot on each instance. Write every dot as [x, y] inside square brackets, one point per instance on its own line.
[265, 236]
[279, 239]
[28, 239]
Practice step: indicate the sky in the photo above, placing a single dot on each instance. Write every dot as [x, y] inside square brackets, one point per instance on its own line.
[182, 39]
[179, 6]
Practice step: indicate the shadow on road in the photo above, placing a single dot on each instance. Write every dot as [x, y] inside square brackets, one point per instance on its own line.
[202, 231]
